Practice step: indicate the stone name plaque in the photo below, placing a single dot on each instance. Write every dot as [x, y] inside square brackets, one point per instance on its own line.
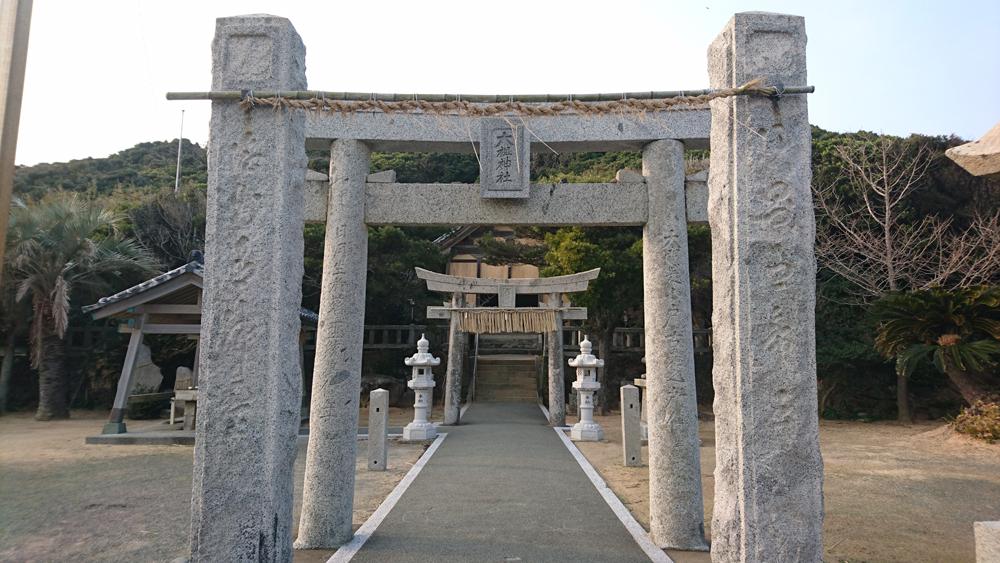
[505, 158]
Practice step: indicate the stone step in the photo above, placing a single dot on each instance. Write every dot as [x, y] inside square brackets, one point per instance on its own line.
[523, 367]
[507, 397]
[501, 370]
[504, 374]
[507, 378]
[505, 381]
[487, 388]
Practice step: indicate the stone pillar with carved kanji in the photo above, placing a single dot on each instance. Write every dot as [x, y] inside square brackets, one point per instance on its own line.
[768, 470]
[586, 385]
[328, 485]
[422, 383]
[676, 511]
[250, 383]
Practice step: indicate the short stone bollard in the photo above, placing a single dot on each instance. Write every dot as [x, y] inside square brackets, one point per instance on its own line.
[631, 439]
[987, 536]
[586, 364]
[378, 430]
[422, 384]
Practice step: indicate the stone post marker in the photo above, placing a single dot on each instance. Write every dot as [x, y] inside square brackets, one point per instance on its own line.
[676, 512]
[631, 440]
[769, 473]
[453, 376]
[378, 430]
[586, 384]
[328, 491]
[557, 382]
[250, 387]
[422, 384]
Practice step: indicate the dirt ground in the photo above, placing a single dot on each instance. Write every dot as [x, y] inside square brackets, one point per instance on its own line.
[891, 492]
[63, 500]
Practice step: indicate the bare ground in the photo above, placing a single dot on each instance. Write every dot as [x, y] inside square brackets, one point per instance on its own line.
[891, 492]
[63, 500]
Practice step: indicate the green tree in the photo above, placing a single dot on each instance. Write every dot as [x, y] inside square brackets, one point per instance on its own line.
[958, 330]
[61, 246]
[394, 294]
[618, 253]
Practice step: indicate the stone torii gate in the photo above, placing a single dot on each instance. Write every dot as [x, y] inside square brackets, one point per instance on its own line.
[768, 477]
[507, 291]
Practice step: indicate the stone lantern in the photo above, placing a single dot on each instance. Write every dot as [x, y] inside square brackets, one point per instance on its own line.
[422, 384]
[586, 364]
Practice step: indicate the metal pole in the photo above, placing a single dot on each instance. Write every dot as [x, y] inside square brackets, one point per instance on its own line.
[180, 139]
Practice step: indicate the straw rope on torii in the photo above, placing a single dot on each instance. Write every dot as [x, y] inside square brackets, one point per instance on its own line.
[482, 106]
[506, 321]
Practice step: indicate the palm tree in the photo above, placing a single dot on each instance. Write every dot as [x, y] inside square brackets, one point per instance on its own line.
[958, 330]
[59, 246]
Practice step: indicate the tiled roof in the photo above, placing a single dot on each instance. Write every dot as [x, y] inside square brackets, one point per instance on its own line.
[194, 267]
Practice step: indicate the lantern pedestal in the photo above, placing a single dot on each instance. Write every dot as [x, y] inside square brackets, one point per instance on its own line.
[586, 384]
[422, 384]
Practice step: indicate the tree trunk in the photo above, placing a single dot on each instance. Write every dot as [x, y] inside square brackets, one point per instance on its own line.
[52, 388]
[969, 385]
[902, 396]
[825, 390]
[7, 369]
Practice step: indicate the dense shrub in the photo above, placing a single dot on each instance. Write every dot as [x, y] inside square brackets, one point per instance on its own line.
[981, 420]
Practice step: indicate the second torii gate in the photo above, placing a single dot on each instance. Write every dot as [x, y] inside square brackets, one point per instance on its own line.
[506, 317]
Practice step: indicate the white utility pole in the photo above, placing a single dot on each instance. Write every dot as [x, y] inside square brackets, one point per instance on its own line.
[180, 138]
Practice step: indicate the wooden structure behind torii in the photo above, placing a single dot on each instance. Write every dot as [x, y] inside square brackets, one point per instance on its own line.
[169, 303]
[506, 290]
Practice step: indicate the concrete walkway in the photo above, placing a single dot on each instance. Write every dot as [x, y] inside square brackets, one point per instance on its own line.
[502, 487]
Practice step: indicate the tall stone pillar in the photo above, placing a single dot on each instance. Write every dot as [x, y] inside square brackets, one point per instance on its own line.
[769, 473]
[328, 492]
[250, 386]
[456, 357]
[557, 381]
[677, 515]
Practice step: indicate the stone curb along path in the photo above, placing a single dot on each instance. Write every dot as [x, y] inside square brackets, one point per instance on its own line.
[501, 488]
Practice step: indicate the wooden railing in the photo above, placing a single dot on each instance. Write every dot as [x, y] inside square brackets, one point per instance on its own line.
[632, 339]
[404, 337]
[384, 337]
[378, 337]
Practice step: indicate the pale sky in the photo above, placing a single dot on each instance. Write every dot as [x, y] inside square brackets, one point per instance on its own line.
[98, 70]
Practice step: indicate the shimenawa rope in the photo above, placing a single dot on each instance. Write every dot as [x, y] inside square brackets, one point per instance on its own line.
[755, 87]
